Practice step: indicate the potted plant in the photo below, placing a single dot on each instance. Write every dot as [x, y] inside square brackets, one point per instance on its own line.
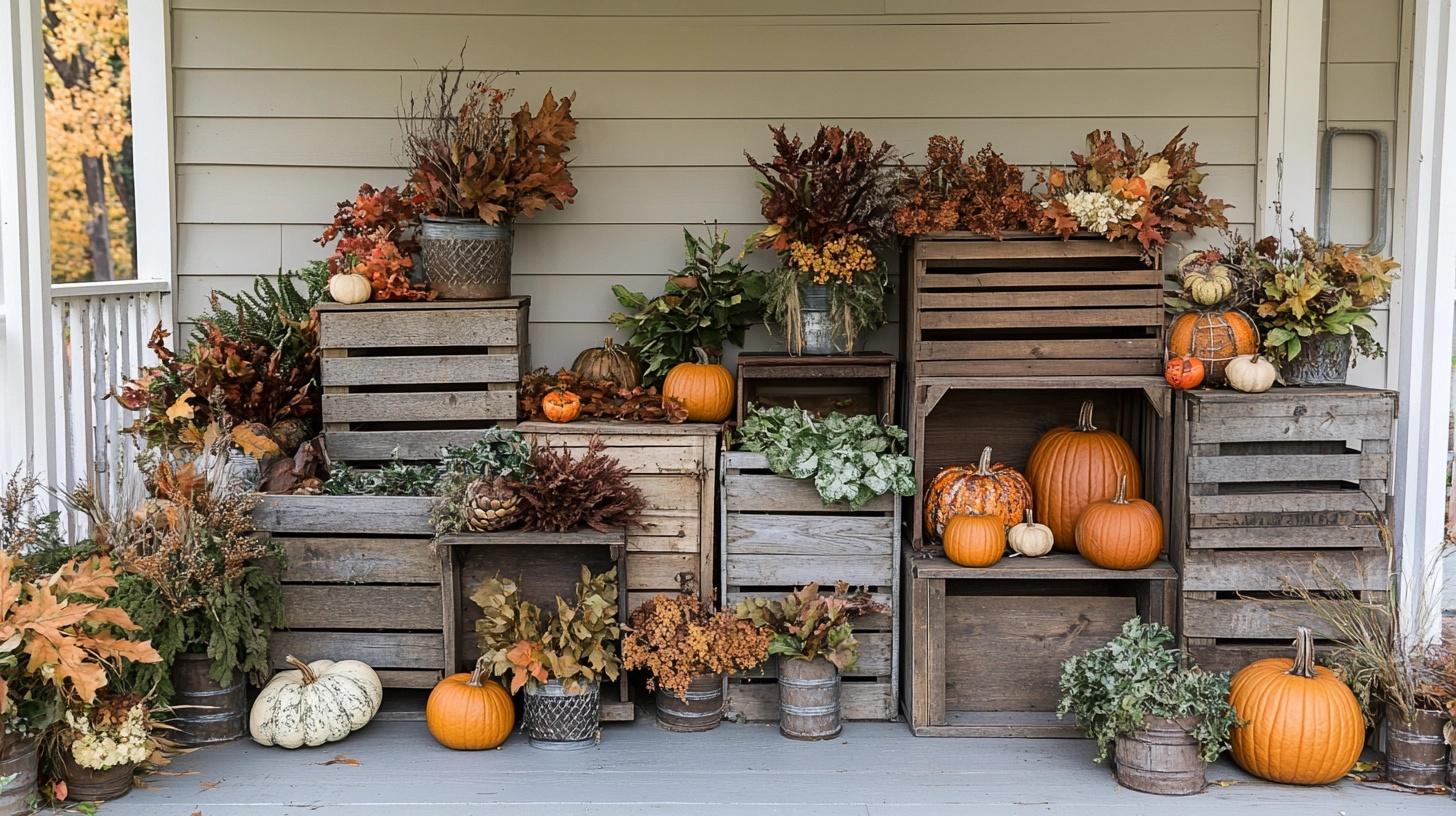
[851, 459]
[97, 747]
[1167, 718]
[559, 661]
[812, 635]
[828, 210]
[477, 169]
[708, 303]
[687, 648]
[474, 486]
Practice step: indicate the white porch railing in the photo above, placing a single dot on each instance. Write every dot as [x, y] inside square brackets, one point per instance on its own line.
[99, 334]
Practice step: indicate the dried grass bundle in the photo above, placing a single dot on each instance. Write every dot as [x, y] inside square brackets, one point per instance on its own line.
[566, 493]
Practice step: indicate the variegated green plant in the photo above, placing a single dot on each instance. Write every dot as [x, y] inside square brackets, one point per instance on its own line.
[850, 458]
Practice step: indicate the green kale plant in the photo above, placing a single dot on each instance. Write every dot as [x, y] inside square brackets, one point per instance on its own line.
[851, 459]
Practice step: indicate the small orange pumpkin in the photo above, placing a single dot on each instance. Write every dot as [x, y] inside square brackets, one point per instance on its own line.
[1073, 466]
[988, 489]
[1302, 725]
[974, 541]
[561, 406]
[1214, 337]
[1184, 372]
[705, 389]
[1120, 533]
[468, 712]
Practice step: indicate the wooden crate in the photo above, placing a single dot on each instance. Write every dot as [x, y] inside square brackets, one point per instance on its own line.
[674, 465]
[950, 419]
[1030, 305]
[546, 566]
[362, 581]
[414, 377]
[1272, 489]
[777, 535]
[984, 647]
[848, 383]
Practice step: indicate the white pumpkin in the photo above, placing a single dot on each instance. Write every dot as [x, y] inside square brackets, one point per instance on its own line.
[315, 703]
[1029, 538]
[350, 287]
[1251, 374]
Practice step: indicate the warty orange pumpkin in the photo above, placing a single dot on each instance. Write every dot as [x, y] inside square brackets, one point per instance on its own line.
[1120, 533]
[987, 489]
[974, 540]
[705, 389]
[1073, 466]
[468, 712]
[1213, 337]
[1183, 373]
[1302, 724]
[561, 406]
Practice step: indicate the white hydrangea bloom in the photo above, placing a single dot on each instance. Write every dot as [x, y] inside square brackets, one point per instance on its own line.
[1098, 211]
[100, 750]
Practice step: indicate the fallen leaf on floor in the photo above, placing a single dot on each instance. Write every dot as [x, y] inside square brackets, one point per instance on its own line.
[59, 789]
[1362, 767]
[196, 813]
[209, 785]
[340, 760]
[1224, 783]
[173, 773]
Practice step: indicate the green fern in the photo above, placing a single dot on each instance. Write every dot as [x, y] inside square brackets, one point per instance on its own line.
[272, 314]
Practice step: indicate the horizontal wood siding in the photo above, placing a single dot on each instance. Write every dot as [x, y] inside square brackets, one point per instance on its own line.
[279, 113]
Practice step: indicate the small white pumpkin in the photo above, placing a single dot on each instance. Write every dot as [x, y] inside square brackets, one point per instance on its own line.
[350, 287]
[1251, 374]
[1029, 538]
[315, 703]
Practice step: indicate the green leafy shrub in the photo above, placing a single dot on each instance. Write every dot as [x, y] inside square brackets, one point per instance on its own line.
[851, 459]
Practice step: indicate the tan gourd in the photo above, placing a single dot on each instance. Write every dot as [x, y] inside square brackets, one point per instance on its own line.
[349, 287]
[1029, 538]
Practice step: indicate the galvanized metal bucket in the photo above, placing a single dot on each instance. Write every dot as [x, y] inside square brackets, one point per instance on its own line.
[557, 721]
[1324, 359]
[467, 259]
[809, 699]
[1415, 749]
[699, 709]
[205, 712]
[1161, 757]
[818, 329]
[90, 785]
[18, 758]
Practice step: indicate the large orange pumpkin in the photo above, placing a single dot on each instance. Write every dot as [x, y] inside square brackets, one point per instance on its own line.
[974, 541]
[1213, 337]
[1120, 533]
[704, 389]
[468, 712]
[1073, 466]
[1302, 725]
[988, 489]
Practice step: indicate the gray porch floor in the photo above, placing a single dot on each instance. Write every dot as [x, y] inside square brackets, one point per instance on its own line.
[874, 769]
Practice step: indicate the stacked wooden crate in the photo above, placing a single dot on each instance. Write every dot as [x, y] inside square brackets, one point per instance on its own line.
[779, 535]
[410, 378]
[674, 466]
[851, 384]
[1276, 490]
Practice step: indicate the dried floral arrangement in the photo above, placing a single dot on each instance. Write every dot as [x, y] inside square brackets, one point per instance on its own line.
[828, 208]
[1120, 190]
[707, 304]
[600, 399]
[115, 729]
[375, 238]
[983, 194]
[677, 637]
[565, 493]
[471, 159]
[576, 647]
[807, 623]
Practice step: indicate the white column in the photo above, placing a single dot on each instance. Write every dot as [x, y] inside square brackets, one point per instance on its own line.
[152, 160]
[1426, 319]
[1289, 155]
[26, 419]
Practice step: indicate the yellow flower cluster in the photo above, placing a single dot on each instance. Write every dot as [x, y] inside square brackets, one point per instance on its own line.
[838, 260]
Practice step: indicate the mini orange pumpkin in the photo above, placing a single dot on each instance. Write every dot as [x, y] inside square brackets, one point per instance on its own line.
[705, 389]
[1120, 533]
[1302, 725]
[974, 541]
[468, 712]
[988, 489]
[1184, 372]
[1073, 466]
[561, 406]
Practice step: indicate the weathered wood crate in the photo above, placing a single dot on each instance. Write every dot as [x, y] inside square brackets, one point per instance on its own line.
[984, 647]
[778, 535]
[674, 465]
[414, 377]
[848, 383]
[950, 419]
[1274, 490]
[1030, 305]
[362, 582]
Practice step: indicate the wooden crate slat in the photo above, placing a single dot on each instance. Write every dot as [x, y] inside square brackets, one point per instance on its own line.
[420, 369]
[414, 328]
[1001, 725]
[407, 679]
[775, 570]
[1235, 538]
[1018, 250]
[1350, 467]
[808, 537]
[1058, 298]
[360, 560]
[937, 350]
[408, 445]
[414, 407]
[1053, 368]
[387, 650]
[650, 460]
[1230, 657]
[1057, 566]
[336, 606]
[341, 515]
[1271, 570]
[1237, 618]
[1331, 405]
[759, 702]
[1292, 429]
[775, 494]
[1042, 318]
[1283, 501]
[950, 277]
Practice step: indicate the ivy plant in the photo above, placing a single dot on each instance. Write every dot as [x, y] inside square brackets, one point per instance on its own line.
[850, 458]
[1112, 688]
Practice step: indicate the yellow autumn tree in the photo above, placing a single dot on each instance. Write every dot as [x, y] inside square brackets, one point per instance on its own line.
[88, 140]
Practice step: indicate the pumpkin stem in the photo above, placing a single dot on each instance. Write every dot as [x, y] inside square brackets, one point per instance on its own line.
[701, 354]
[984, 467]
[1084, 417]
[1303, 665]
[477, 677]
[308, 675]
[1121, 497]
[1030, 519]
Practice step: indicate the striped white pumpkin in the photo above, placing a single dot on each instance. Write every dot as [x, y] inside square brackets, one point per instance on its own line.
[315, 703]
